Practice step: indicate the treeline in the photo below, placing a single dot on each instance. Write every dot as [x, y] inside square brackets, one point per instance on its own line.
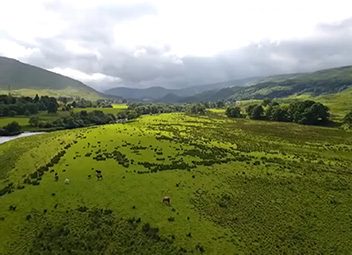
[12, 106]
[75, 120]
[138, 109]
[68, 103]
[303, 112]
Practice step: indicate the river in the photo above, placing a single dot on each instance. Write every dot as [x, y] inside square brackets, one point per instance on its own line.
[4, 139]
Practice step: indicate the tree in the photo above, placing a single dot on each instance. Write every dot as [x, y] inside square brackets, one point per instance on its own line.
[197, 109]
[220, 104]
[249, 109]
[308, 112]
[257, 112]
[318, 113]
[36, 99]
[277, 113]
[34, 121]
[52, 105]
[12, 128]
[233, 112]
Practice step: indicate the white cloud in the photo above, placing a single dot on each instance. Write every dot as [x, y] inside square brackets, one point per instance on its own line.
[84, 77]
[13, 49]
[201, 28]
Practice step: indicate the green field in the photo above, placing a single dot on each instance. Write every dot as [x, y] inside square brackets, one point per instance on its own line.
[236, 187]
[24, 120]
[120, 106]
[66, 92]
[114, 110]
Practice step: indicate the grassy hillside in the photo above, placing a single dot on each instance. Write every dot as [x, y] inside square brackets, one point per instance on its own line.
[236, 187]
[324, 82]
[28, 80]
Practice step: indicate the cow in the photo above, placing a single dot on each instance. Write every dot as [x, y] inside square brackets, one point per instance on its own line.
[99, 174]
[166, 200]
[67, 181]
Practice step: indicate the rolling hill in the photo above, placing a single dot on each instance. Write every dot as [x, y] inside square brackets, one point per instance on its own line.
[324, 85]
[23, 79]
[174, 95]
[329, 81]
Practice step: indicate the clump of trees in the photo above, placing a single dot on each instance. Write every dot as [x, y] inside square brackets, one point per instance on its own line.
[197, 109]
[303, 112]
[10, 129]
[69, 103]
[12, 106]
[137, 109]
[255, 112]
[75, 120]
[233, 112]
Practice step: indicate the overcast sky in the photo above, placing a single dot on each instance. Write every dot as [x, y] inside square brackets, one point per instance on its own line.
[176, 43]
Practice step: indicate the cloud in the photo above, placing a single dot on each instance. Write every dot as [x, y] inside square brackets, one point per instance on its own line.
[93, 78]
[151, 43]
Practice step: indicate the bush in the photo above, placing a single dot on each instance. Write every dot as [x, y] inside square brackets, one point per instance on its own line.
[12, 128]
[233, 112]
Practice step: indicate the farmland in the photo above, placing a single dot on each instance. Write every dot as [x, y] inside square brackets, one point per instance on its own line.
[236, 187]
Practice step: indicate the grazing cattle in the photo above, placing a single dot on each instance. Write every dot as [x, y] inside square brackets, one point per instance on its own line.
[89, 176]
[99, 174]
[56, 177]
[12, 208]
[167, 200]
[67, 181]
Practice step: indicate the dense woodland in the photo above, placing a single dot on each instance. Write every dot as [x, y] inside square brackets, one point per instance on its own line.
[12, 106]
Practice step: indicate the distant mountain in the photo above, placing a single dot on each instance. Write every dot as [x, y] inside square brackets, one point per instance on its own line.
[318, 83]
[162, 94]
[28, 80]
[148, 94]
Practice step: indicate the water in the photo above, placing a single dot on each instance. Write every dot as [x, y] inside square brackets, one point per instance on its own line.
[4, 139]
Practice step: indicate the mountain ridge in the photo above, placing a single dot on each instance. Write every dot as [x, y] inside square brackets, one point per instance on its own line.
[20, 78]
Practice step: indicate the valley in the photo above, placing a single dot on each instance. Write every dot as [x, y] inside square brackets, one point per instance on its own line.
[237, 186]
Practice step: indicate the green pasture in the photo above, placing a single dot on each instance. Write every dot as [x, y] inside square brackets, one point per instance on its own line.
[113, 110]
[120, 106]
[22, 120]
[236, 187]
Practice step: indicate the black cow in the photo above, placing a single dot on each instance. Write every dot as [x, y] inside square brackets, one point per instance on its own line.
[99, 174]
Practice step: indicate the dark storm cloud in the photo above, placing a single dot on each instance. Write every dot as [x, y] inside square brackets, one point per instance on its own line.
[157, 66]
